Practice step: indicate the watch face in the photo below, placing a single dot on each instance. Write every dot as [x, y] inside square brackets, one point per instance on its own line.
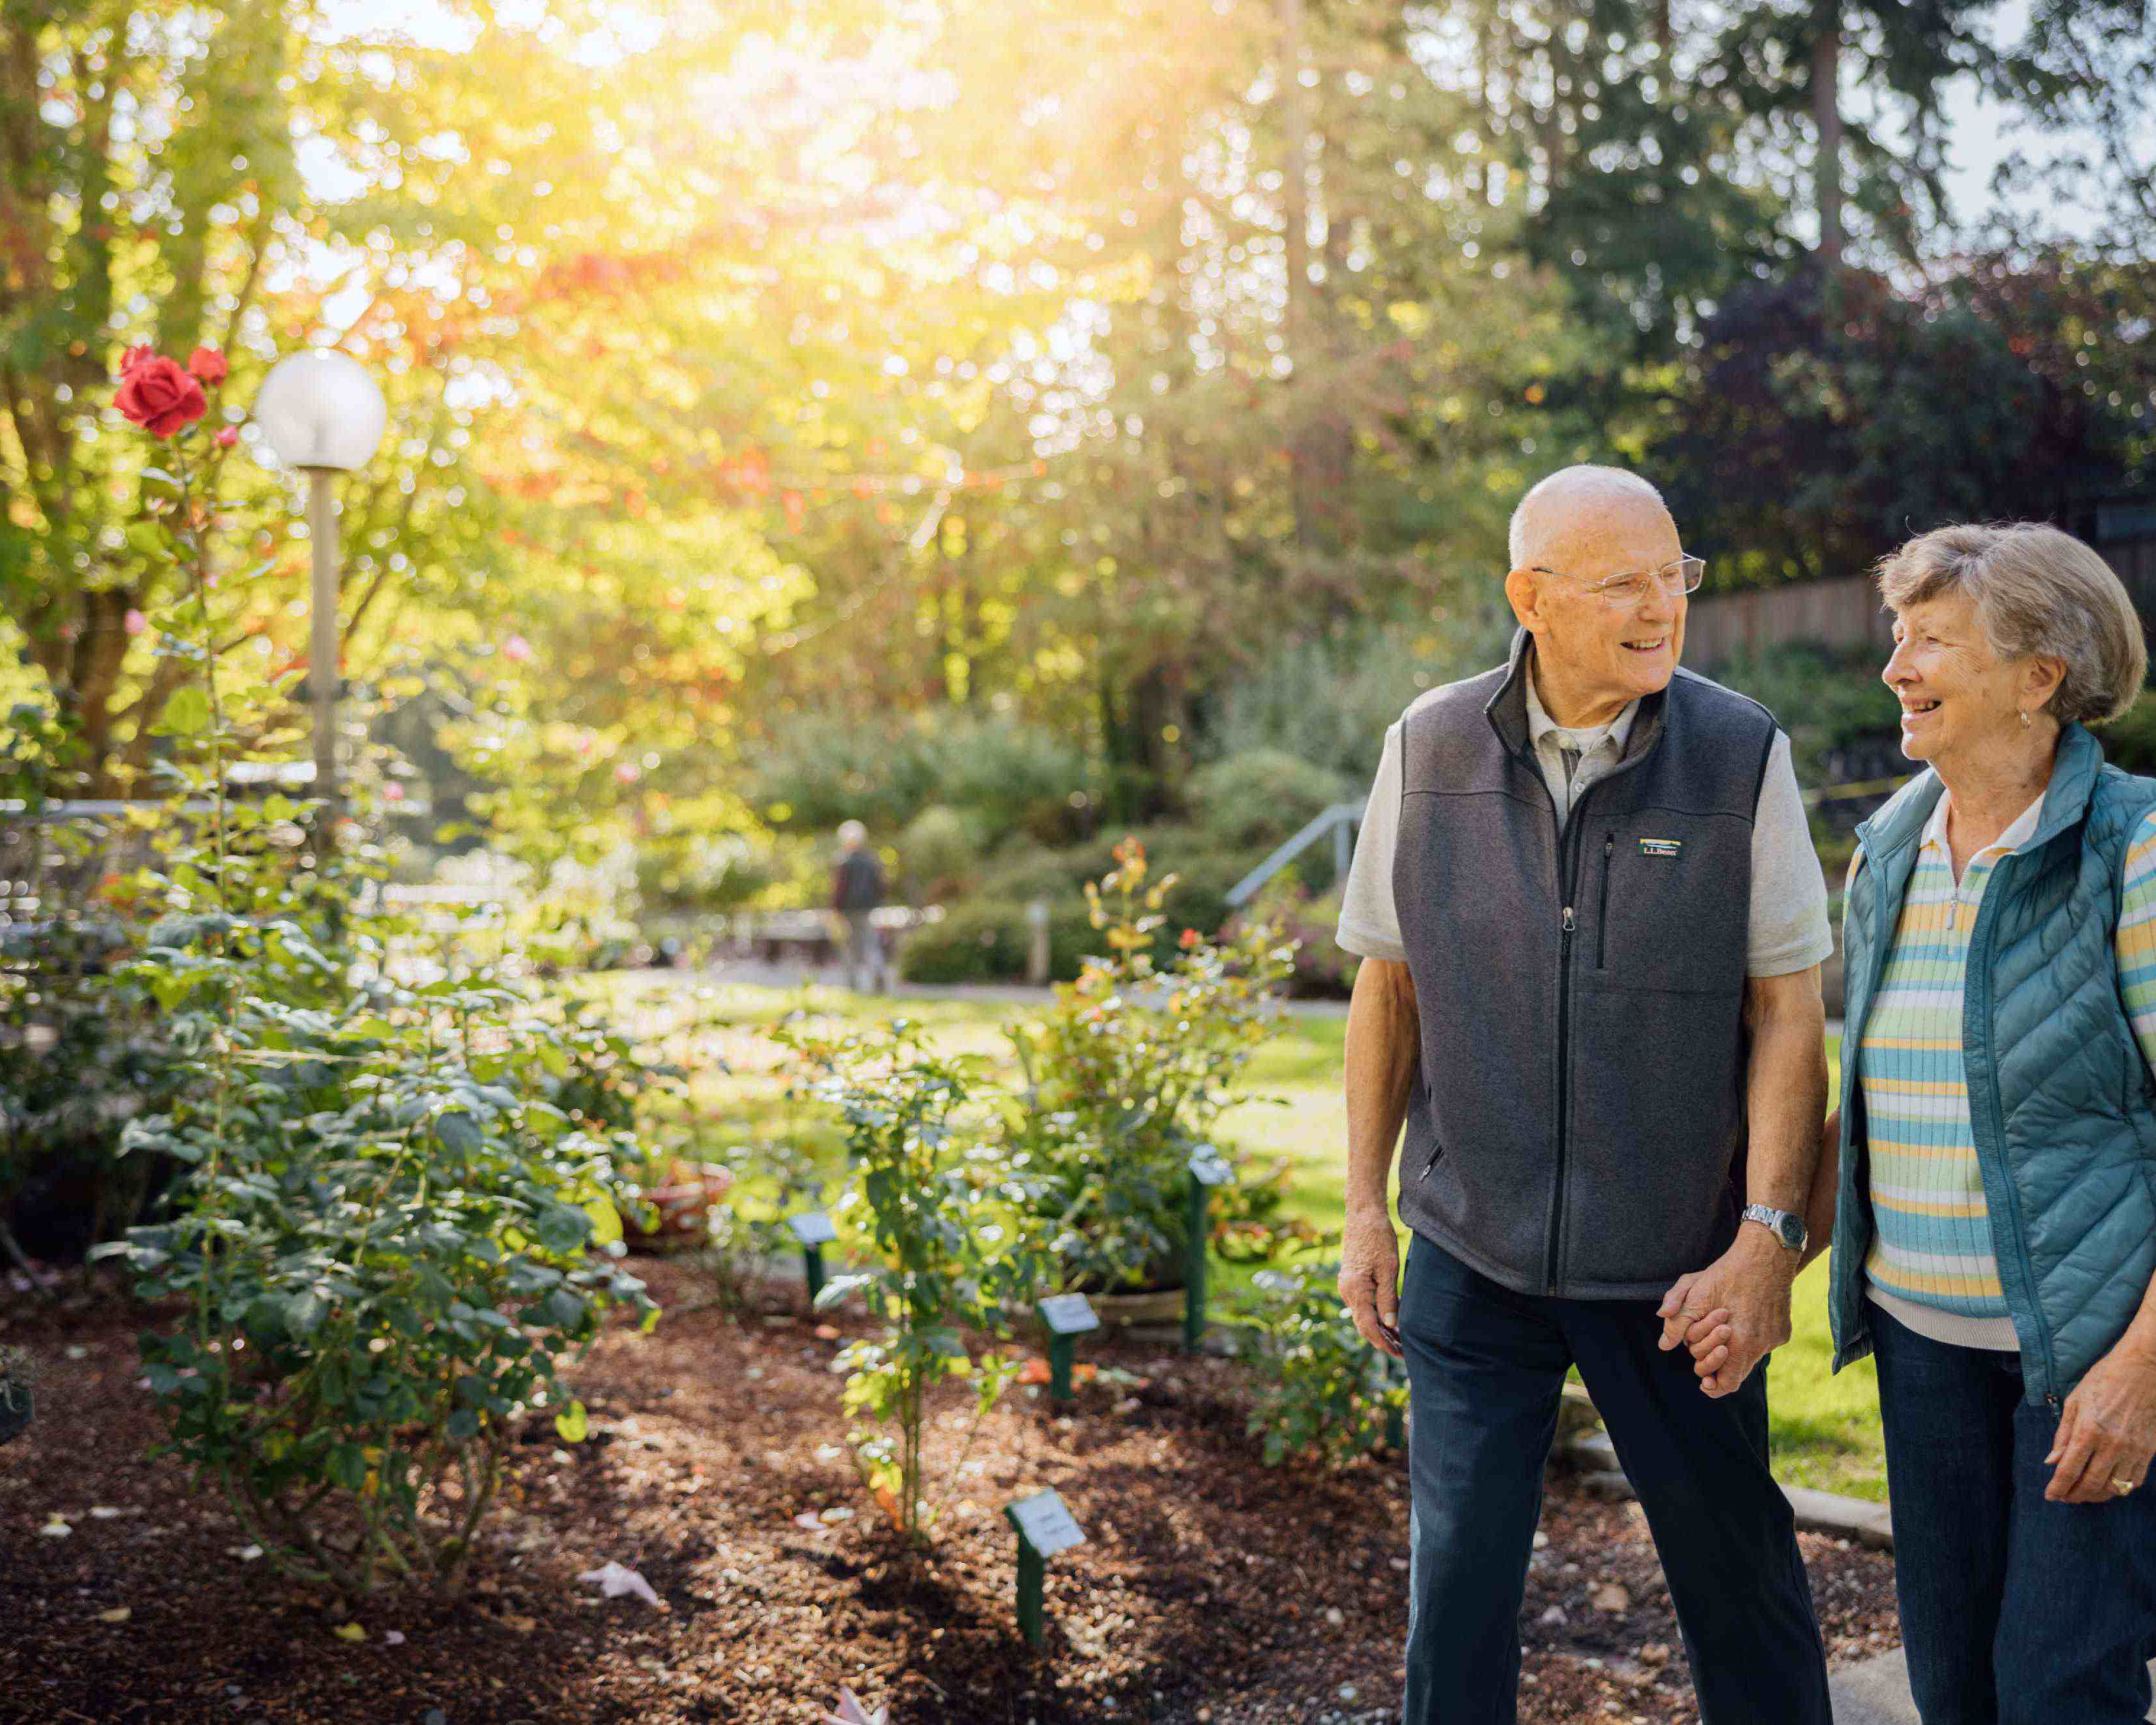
[1792, 1230]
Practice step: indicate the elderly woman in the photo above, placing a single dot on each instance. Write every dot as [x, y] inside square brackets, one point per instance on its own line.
[1993, 1204]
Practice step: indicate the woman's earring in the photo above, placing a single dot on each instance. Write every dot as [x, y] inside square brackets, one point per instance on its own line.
[2025, 721]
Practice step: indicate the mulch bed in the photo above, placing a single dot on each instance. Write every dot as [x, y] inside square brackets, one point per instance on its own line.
[1212, 1588]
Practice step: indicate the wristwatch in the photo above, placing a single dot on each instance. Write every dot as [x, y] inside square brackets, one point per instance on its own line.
[1786, 1226]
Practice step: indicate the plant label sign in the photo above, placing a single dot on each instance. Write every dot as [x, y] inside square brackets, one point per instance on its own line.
[1208, 1167]
[813, 1228]
[1044, 1523]
[1069, 1314]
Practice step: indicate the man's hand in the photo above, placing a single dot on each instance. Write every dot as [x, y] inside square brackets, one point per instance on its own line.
[1734, 1312]
[2107, 1430]
[1370, 1277]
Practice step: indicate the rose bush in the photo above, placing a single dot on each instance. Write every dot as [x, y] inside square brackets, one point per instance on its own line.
[399, 1210]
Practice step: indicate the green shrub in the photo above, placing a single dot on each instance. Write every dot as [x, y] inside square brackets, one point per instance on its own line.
[824, 769]
[1825, 700]
[940, 853]
[1261, 797]
[1205, 871]
[1125, 1075]
[1327, 701]
[2129, 741]
[922, 1214]
[1327, 1394]
[380, 1244]
[1324, 970]
[986, 941]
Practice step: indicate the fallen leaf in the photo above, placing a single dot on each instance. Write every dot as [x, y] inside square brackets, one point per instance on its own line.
[102, 1512]
[1084, 1372]
[827, 1332]
[1611, 1596]
[852, 1710]
[1034, 1370]
[56, 1529]
[522, 1626]
[810, 1520]
[615, 1580]
[245, 1553]
[118, 1614]
[351, 1632]
[393, 1638]
[76, 1351]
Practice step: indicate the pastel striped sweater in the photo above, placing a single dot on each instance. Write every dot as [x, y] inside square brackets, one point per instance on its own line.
[1932, 1255]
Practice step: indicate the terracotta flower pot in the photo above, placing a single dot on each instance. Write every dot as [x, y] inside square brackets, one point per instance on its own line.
[1160, 1306]
[683, 1202]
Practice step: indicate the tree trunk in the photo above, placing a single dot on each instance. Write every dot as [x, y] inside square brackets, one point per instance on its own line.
[1826, 124]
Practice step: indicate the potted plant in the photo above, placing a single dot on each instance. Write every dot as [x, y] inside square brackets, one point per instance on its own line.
[19, 1371]
[1125, 1077]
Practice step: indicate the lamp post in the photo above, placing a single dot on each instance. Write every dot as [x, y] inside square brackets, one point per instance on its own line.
[320, 413]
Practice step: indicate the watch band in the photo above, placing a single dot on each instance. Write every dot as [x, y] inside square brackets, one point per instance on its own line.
[1787, 1227]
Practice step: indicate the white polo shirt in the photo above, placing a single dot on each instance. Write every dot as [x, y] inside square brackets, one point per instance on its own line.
[1788, 929]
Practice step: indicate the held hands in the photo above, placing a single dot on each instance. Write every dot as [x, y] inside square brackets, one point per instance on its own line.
[1732, 1313]
[2107, 1432]
[1370, 1277]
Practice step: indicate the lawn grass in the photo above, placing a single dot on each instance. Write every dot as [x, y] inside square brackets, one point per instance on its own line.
[1825, 1427]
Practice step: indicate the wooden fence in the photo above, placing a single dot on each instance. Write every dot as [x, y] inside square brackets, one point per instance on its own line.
[1845, 611]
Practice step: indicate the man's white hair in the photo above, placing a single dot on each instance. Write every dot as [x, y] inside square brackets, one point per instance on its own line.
[852, 832]
[1568, 488]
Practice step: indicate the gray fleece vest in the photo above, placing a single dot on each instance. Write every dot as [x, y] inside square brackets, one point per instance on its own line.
[1578, 1124]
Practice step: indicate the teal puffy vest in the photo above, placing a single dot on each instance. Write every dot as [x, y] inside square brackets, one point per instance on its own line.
[2060, 1099]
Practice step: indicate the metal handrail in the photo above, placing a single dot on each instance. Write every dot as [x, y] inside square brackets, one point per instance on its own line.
[1342, 820]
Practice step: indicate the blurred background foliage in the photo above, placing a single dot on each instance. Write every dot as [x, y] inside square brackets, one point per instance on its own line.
[1015, 424]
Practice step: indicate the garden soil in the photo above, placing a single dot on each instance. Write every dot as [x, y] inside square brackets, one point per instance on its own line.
[1210, 1588]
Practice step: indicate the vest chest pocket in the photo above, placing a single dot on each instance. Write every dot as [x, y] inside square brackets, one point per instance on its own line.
[1671, 898]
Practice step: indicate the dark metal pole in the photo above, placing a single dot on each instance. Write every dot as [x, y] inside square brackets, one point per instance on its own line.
[1193, 1274]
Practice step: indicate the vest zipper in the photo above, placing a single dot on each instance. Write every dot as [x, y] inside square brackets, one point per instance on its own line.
[1568, 890]
[1602, 915]
[1563, 1093]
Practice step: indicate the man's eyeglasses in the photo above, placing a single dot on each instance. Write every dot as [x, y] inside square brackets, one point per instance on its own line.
[1676, 579]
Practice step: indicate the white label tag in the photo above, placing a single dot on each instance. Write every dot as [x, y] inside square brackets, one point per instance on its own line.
[813, 1228]
[1044, 1522]
[1067, 1314]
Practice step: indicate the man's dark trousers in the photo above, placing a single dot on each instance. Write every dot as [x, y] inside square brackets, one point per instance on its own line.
[1486, 1372]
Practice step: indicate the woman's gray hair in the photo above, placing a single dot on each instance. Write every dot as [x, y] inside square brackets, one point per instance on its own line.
[2037, 590]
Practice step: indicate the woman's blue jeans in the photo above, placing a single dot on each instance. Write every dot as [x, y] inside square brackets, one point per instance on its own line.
[2015, 1610]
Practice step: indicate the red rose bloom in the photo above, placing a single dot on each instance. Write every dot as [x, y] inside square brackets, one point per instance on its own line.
[134, 357]
[228, 437]
[161, 398]
[208, 364]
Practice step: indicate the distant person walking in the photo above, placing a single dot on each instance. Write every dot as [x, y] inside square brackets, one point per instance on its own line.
[856, 890]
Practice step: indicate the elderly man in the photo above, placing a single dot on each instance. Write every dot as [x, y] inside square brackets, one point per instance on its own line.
[1591, 922]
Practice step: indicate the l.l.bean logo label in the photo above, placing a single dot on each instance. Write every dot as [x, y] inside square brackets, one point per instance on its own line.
[1661, 847]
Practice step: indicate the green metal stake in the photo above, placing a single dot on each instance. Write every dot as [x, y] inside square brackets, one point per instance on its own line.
[1193, 1274]
[1059, 1350]
[1031, 1572]
[1045, 1526]
[812, 1267]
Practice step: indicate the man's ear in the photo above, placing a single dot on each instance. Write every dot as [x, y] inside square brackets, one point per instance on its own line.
[1525, 593]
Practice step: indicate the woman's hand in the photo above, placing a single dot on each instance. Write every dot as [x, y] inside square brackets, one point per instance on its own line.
[2108, 1430]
